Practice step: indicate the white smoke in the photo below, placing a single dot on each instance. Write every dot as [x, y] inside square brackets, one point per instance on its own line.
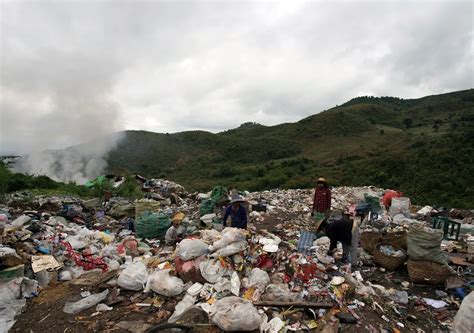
[56, 91]
[78, 163]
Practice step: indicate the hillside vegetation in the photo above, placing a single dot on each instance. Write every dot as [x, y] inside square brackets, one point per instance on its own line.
[424, 147]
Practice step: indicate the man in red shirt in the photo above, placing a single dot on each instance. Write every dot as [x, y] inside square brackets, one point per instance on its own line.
[322, 197]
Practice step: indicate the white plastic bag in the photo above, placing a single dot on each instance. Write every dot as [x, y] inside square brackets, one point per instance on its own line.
[103, 307]
[259, 279]
[133, 277]
[232, 284]
[189, 249]
[212, 270]
[21, 221]
[231, 249]
[272, 326]
[29, 288]
[464, 319]
[65, 276]
[210, 235]
[85, 303]
[235, 284]
[235, 314]
[186, 303]
[322, 241]
[400, 206]
[228, 235]
[10, 305]
[161, 282]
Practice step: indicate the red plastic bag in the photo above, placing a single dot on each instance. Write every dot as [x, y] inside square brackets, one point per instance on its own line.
[389, 195]
[85, 260]
[264, 262]
[307, 272]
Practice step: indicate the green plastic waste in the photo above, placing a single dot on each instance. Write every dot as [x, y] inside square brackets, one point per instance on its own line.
[207, 207]
[219, 193]
[99, 181]
[374, 203]
[152, 225]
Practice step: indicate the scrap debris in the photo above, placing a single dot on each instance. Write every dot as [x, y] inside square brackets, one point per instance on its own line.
[105, 265]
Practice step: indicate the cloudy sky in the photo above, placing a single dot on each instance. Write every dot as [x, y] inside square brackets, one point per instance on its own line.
[74, 69]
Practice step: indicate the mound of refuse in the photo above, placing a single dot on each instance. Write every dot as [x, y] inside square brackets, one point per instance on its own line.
[110, 261]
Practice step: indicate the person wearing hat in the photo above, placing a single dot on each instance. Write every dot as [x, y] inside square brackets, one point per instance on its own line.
[172, 236]
[322, 197]
[237, 212]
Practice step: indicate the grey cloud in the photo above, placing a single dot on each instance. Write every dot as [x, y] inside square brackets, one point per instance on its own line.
[79, 69]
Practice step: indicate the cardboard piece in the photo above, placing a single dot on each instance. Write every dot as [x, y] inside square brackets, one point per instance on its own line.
[46, 262]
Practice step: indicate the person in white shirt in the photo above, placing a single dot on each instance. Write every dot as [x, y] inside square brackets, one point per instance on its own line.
[172, 236]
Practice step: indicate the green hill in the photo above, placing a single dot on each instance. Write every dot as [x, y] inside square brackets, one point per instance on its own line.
[425, 147]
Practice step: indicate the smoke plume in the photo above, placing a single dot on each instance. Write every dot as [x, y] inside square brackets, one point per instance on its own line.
[78, 163]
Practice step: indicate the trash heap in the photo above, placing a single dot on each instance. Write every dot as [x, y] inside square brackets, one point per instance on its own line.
[67, 262]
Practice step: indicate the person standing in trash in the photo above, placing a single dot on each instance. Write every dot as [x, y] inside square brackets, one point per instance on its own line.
[322, 197]
[341, 231]
[237, 212]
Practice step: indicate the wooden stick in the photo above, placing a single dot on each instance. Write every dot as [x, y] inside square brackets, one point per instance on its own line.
[294, 304]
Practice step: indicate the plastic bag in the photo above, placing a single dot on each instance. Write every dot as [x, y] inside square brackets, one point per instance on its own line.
[29, 288]
[272, 326]
[424, 243]
[464, 319]
[232, 284]
[85, 303]
[189, 249]
[235, 284]
[207, 207]
[228, 235]
[152, 225]
[210, 235]
[133, 277]
[259, 279]
[279, 292]
[186, 303]
[65, 276]
[235, 314]
[219, 193]
[231, 249]
[212, 270]
[161, 282]
[400, 205]
[103, 307]
[10, 305]
[20, 221]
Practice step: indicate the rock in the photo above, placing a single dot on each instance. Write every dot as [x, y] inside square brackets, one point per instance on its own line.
[134, 326]
[346, 318]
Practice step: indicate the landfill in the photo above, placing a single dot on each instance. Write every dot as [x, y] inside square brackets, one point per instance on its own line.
[75, 265]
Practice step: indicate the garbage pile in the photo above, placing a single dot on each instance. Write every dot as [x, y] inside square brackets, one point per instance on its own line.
[105, 266]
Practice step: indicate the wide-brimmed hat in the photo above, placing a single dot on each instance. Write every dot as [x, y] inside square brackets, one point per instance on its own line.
[178, 217]
[321, 180]
[236, 198]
